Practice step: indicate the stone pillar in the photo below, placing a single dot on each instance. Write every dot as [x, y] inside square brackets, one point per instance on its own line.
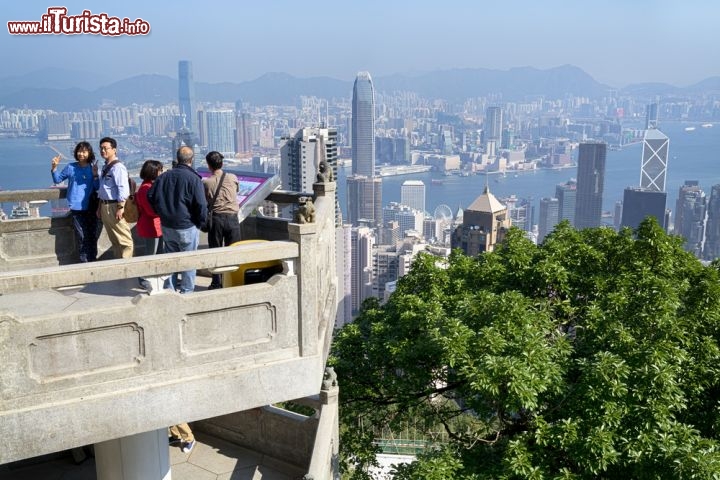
[144, 455]
[307, 271]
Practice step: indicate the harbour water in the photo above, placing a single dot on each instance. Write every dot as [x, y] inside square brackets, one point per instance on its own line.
[694, 155]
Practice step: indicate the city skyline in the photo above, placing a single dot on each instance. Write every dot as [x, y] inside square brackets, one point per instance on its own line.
[410, 38]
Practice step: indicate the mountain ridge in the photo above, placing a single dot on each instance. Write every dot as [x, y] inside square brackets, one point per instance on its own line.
[54, 88]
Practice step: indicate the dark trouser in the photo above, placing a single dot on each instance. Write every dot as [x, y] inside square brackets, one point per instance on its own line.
[225, 231]
[87, 230]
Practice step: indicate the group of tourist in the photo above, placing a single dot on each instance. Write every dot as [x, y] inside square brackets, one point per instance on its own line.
[172, 206]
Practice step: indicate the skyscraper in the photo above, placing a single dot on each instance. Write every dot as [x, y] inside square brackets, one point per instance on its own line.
[653, 169]
[549, 208]
[566, 193]
[364, 200]
[639, 203]
[590, 184]
[186, 94]
[364, 189]
[243, 136]
[651, 116]
[493, 125]
[362, 241]
[690, 211]
[220, 130]
[363, 126]
[649, 199]
[711, 249]
[301, 156]
[412, 194]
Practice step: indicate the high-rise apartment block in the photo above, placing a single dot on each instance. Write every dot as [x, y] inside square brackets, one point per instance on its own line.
[412, 194]
[406, 217]
[243, 132]
[362, 241]
[301, 156]
[590, 184]
[220, 130]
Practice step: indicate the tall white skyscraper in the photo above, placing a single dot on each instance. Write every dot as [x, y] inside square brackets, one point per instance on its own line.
[654, 160]
[650, 198]
[412, 194]
[364, 192]
[363, 126]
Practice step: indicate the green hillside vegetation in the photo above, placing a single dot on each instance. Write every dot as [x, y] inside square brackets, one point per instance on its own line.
[594, 355]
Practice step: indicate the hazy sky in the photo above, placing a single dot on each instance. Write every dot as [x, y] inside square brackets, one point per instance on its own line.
[616, 41]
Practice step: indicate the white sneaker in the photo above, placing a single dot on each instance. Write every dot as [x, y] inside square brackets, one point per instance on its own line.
[188, 446]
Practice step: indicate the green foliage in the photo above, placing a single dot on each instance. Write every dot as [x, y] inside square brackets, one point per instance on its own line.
[594, 355]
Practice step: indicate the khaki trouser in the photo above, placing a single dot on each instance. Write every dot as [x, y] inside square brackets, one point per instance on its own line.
[183, 432]
[117, 231]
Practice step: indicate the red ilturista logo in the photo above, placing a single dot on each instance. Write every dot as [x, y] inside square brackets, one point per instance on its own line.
[57, 22]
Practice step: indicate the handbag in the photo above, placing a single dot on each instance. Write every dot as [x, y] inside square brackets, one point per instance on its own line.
[130, 212]
[209, 220]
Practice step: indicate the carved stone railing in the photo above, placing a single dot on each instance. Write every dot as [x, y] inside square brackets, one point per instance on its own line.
[307, 446]
[87, 359]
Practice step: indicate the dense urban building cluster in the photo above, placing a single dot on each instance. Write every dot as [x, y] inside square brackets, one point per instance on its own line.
[393, 133]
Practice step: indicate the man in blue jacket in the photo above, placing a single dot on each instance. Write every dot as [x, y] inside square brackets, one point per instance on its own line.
[178, 197]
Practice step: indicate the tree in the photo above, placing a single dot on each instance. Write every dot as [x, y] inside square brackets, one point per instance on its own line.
[594, 355]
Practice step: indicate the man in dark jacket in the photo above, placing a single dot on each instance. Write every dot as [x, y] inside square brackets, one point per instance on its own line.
[178, 197]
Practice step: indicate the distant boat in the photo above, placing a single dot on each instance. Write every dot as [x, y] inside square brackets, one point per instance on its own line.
[436, 181]
[707, 125]
[689, 129]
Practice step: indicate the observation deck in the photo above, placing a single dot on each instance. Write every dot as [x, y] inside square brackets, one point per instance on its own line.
[89, 359]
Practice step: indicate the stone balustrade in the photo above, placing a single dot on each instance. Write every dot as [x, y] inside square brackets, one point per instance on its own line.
[87, 359]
